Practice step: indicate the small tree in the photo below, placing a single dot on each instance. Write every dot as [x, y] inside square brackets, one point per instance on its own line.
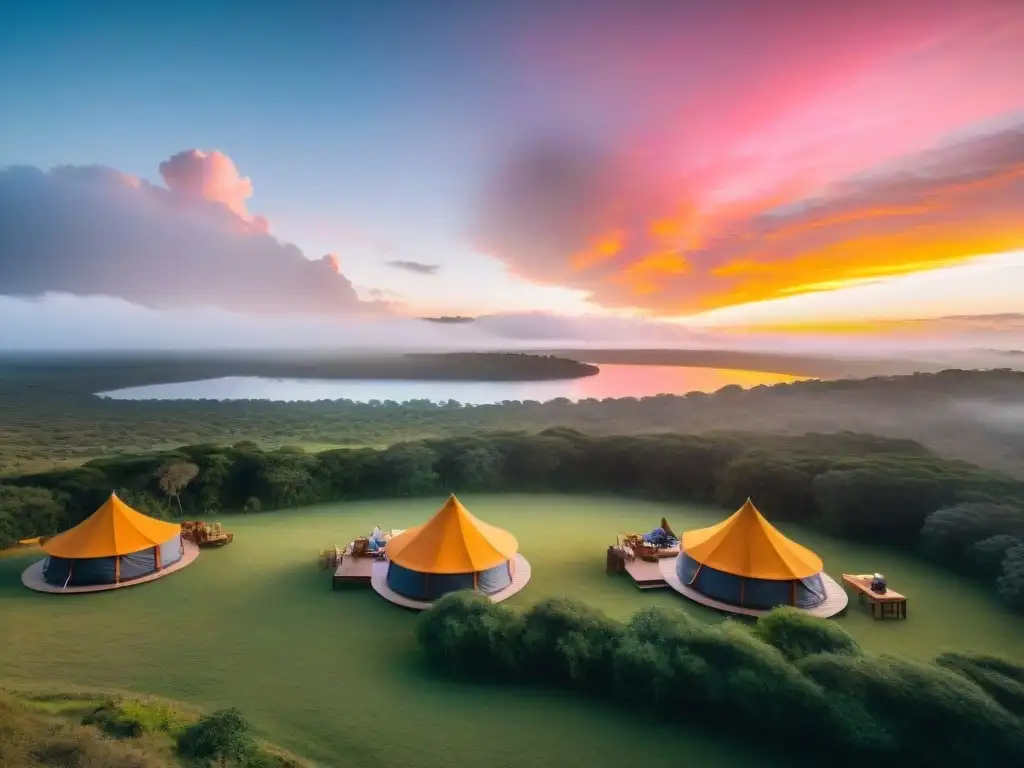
[223, 739]
[175, 477]
[252, 505]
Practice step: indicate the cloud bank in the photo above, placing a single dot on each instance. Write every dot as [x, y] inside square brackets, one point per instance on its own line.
[92, 231]
[61, 322]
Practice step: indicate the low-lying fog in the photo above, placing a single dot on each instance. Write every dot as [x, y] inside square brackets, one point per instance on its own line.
[62, 322]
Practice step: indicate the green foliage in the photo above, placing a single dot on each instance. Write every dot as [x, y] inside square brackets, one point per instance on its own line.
[26, 512]
[131, 718]
[222, 738]
[948, 534]
[917, 712]
[796, 634]
[1011, 584]
[33, 739]
[786, 680]
[465, 634]
[1000, 678]
[986, 557]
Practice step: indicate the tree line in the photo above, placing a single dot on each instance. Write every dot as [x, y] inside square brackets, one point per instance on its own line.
[792, 681]
[851, 485]
[49, 416]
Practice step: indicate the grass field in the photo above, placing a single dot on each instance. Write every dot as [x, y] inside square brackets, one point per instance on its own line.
[336, 676]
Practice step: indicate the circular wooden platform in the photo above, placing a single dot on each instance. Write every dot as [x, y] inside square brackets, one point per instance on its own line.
[32, 577]
[836, 598]
[379, 582]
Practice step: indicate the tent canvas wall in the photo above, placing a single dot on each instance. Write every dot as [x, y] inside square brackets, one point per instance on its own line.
[451, 551]
[745, 561]
[113, 545]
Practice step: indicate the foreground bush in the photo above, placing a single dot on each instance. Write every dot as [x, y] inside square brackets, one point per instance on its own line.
[797, 634]
[223, 738]
[791, 678]
[1001, 679]
[131, 718]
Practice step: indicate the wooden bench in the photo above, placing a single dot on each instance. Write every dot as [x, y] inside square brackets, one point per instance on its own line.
[885, 605]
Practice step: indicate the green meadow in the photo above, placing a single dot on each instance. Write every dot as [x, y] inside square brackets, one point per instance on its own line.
[337, 676]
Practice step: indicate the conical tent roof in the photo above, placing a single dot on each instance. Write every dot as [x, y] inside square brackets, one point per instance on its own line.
[113, 529]
[452, 541]
[747, 545]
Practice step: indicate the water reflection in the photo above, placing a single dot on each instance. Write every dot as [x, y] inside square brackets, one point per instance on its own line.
[612, 381]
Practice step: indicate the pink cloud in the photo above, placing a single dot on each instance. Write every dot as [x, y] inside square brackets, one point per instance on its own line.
[211, 175]
[737, 169]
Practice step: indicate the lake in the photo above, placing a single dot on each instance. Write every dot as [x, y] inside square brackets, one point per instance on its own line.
[612, 381]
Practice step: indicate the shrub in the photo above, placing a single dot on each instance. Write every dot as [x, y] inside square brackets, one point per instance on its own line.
[467, 634]
[985, 557]
[792, 678]
[1011, 583]
[1000, 678]
[223, 737]
[569, 642]
[796, 634]
[915, 710]
[131, 718]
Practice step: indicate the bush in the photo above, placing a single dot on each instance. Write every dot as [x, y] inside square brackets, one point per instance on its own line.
[467, 634]
[223, 738]
[1000, 678]
[793, 678]
[567, 641]
[986, 557]
[131, 718]
[917, 711]
[1011, 584]
[796, 634]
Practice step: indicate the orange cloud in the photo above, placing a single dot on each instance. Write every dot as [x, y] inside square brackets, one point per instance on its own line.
[675, 250]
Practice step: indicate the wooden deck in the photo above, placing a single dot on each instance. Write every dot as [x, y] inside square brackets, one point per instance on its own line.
[354, 571]
[379, 582]
[889, 605]
[32, 577]
[836, 598]
[647, 575]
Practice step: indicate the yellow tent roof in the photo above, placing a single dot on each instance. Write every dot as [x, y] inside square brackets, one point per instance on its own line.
[113, 529]
[452, 541]
[747, 545]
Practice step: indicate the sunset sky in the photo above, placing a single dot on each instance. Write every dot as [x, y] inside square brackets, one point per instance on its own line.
[783, 166]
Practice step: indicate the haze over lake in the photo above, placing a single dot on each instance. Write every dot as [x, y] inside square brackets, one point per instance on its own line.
[612, 381]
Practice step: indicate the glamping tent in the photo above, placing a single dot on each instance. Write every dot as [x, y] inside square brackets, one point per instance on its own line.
[745, 561]
[113, 545]
[451, 551]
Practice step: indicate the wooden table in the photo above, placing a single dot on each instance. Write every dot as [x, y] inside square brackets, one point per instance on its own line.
[889, 604]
